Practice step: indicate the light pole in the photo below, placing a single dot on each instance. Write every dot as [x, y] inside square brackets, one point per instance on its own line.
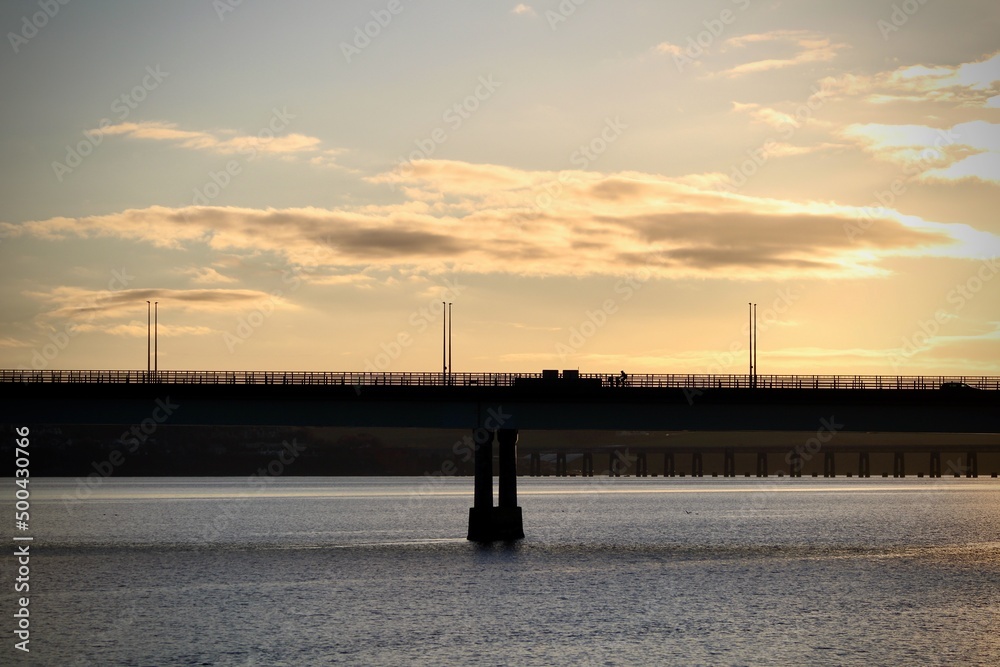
[147, 341]
[444, 342]
[755, 345]
[450, 368]
[156, 338]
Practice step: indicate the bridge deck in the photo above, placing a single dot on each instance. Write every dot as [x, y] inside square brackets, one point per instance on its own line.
[437, 379]
[522, 401]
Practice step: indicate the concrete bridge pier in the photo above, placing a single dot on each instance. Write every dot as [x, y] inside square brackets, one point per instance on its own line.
[696, 465]
[972, 465]
[898, 469]
[504, 522]
[668, 465]
[587, 464]
[762, 464]
[641, 466]
[560, 464]
[729, 464]
[535, 468]
[864, 465]
[613, 470]
[828, 465]
[794, 465]
[935, 467]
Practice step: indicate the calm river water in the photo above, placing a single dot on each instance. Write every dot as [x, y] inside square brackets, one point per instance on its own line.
[376, 571]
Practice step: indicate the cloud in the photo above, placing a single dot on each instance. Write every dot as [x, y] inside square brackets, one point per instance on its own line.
[670, 49]
[75, 303]
[524, 10]
[206, 275]
[806, 47]
[137, 329]
[965, 151]
[226, 142]
[974, 84]
[483, 218]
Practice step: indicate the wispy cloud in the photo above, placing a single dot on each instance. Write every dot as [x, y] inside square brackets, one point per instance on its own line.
[972, 84]
[967, 150]
[224, 142]
[805, 47]
[76, 303]
[523, 10]
[206, 275]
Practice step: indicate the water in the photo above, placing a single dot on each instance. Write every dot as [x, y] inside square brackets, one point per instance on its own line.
[376, 571]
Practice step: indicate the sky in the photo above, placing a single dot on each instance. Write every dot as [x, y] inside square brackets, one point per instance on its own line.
[593, 185]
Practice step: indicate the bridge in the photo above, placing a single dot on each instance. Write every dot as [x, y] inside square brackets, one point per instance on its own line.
[499, 405]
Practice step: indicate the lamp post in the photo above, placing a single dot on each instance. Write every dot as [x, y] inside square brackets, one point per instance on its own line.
[750, 344]
[444, 342]
[156, 338]
[755, 346]
[450, 367]
[147, 341]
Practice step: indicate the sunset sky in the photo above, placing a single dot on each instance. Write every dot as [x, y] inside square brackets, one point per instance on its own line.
[595, 185]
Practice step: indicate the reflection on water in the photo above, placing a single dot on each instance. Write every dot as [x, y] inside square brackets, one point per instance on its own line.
[375, 571]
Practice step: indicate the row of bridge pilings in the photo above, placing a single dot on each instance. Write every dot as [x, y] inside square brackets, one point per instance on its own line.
[636, 464]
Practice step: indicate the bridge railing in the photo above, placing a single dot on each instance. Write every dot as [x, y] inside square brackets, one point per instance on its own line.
[438, 379]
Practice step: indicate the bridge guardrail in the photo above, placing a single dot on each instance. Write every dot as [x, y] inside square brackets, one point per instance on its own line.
[438, 379]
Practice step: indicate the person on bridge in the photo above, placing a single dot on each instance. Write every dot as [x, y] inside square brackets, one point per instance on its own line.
[623, 379]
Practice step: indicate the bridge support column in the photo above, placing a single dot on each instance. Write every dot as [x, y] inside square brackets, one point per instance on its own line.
[641, 469]
[762, 464]
[560, 464]
[696, 467]
[828, 465]
[668, 465]
[864, 465]
[972, 465]
[794, 465]
[729, 464]
[488, 523]
[536, 464]
[935, 468]
[898, 469]
[613, 466]
[588, 464]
